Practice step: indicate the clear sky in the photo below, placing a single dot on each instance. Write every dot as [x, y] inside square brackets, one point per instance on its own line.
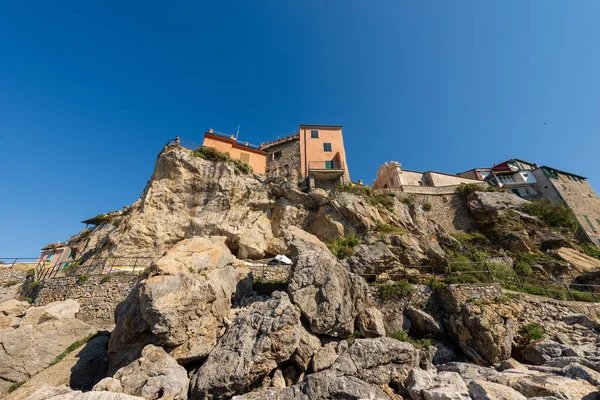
[89, 94]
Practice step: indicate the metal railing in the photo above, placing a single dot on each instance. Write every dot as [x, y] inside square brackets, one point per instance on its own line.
[326, 165]
[93, 266]
[10, 262]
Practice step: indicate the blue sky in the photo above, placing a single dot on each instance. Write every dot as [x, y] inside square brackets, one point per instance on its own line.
[89, 93]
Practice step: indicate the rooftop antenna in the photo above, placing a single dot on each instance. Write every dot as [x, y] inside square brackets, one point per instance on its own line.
[237, 133]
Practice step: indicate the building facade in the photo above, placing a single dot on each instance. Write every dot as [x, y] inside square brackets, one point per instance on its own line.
[315, 154]
[251, 155]
[516, 176]
[576, 193]
[476, 173]
[56, 253]
[392, 176]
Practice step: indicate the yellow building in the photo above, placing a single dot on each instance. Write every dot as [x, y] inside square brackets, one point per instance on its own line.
[245, 152]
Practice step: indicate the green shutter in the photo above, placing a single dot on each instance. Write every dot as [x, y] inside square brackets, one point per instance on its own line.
[589, 223]
[329, 164]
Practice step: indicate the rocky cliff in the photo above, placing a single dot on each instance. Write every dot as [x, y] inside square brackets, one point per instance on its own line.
[342, 325]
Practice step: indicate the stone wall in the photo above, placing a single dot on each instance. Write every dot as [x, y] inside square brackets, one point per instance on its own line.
[277, 273]
[288, 163]
[11, 276]
[98, 295]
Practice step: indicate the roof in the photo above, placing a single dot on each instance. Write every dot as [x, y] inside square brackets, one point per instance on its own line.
[474, 169]
[235, 143]
[282, 140]
[440, 173]
[321, 126]
[562, 172]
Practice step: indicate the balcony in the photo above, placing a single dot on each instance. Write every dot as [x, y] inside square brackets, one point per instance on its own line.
[325, 170]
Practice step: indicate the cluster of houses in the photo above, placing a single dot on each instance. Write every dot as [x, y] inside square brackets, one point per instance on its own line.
[315, 155]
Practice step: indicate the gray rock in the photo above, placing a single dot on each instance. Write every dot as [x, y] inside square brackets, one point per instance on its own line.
[482, 204]
[372, 259]
[483, 390]
[308, 345]
[423, 385]
[582, 319]
[257, 341]
[469, 371]
[91, 365]
[557, 386]
[578, 371]
[154, 375]
[329, 297]
[423, 321]
[444, 354]
[326, 356]
[64, 393]
[542, 351]
[370, 323]
[511, 363]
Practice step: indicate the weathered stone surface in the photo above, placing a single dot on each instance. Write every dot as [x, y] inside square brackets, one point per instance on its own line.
[468, 371]
[424, 385]
[258, 340]
[45, 392]
[183, 312]
[28, 349]
[52, 311]
[308, 345]
[579, 262]
[578, 371]
[154, 375]
[13, 308]
[321, 386]
[511, 363]
[328, 296]
[558, 386]
[423, 321]
[327, 355]
[482, 204]
[483, 390]
[541, 351]
[370, 323]
[484, 332]
[372, 259]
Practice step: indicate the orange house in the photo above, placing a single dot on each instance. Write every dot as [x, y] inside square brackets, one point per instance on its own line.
[322, 154]
[245, 152]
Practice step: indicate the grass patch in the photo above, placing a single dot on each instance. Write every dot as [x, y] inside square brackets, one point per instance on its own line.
[403, 337]
[210, 154]
[10, 283]
[103, 218]
[427, 206]
[69, 349]
[105, 278]
[15, 386]
[386, 200]
[468, 188]
[395, 291]
[469, 237]
[82, 278]
[354, 189]
[533, 331]
[408, 200]
[590, 250]
[553, 215]
[266, 288]
[344, 247]
[386, 229]
[355, 335]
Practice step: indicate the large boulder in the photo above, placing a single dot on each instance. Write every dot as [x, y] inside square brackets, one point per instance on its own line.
[181, 305]
[370, 323]
[258, 340]
[52, 311]
[483, 390]
[372, 258]
[154, 375]
[484, 205]
[322, 386]
[425, 385]
[329, 297]
[483, 330]
[31, 347]
[551, 385]
[541, 351]
[45, 392]
[422, 321]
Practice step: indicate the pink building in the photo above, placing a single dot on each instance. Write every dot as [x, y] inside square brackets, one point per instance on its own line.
[56, 253]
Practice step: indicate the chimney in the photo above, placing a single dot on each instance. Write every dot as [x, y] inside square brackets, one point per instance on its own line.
[211, 130]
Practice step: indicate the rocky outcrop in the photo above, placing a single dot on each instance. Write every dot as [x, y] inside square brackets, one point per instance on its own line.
[258, 340]
[329, 297]
[424, 385]
[484, 331]
[370, 323]
[45, 392]
[180, 306]
[483, 390]
[154, 375]
[37, 339]
[484, 205]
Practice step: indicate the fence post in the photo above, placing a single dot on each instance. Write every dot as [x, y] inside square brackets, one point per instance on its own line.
[13, 264]
[489, 273]
[592, 292]
[449, 271]
[568, 290]
[134, 265]
[545, 289]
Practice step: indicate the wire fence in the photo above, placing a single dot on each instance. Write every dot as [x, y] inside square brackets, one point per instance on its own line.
[93, 266]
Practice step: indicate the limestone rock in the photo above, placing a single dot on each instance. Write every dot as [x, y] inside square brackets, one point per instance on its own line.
[484, 332]
[45, 392]
[482, 204]
[327, 355]
[483, 390]
[423, 321]
[423, 385]
[10, 292]
[558, 386]
[308, 345]
[541, 351]
[578, 371]
[372, 259]
[467, 370]
[182, 312]
[370, 323]
[29, 349]
[154, 375]
[258, 340]
[13, 308]
[579, 262]
[328, 296]
[53, 311]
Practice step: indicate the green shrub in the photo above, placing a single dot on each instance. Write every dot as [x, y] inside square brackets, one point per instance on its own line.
[10, 283]
[435, 283]
[82, 278]
[533, 331]
[210, 154]
[468, 188]
[15, 386]
[522, 268]
[69, 349]
[395, 291]
[67, 268]
[386, 229]
[427, 206]
[579, 295]
[553, 215]
[469, 237]
[344, 247]
[408, 200]
[591, 250]
[350, 340]
[500, 272]
[403, 337]
[35, 285]
[28, 299]
[240, 167]
[354, 189]
[105, 278]
[385, 200]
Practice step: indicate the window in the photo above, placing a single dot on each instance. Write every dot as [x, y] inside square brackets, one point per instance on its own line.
[277, 155]
[314, 134]
[589, 223]
[571, 179]
[327, 147]
[516, 191]
[50, 257]
[329, 164]
[245, 157]
[505, 178]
